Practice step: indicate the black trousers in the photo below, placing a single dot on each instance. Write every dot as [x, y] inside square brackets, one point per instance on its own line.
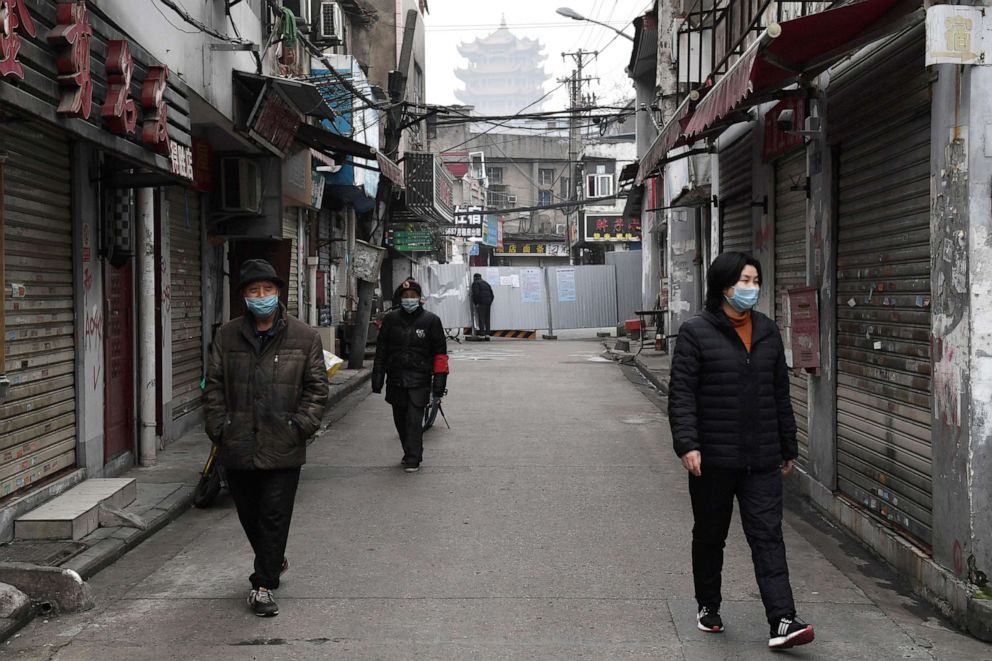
[482, 318]
[409, 405]
[760, 498]
[264, 499]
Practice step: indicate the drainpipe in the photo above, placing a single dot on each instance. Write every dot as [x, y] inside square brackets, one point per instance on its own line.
[313, 260]
[4, 381]
[147, 351]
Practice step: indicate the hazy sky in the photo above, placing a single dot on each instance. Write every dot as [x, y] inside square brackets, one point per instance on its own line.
[453, 21]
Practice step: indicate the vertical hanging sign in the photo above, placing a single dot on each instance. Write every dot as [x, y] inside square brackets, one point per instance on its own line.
[72, 35]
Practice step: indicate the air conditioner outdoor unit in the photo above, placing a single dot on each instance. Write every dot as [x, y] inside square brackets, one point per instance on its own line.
[240, 185]
[329, 19]
[560, 229]
[511, 199]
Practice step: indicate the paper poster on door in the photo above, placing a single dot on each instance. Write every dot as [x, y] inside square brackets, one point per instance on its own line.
[566, 285]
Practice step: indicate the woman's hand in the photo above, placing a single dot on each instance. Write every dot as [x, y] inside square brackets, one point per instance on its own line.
[693, 461]
[787, 466]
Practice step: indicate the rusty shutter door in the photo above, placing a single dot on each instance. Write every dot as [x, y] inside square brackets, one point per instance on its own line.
[291, 230]
[790, 269]
[185, 261]
[38, 420]
[735, 196]
[883, 282]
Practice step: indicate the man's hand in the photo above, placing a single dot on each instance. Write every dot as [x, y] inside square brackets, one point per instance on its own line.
[440, 384]
[693, 462]
[787, 466]
[378, 380]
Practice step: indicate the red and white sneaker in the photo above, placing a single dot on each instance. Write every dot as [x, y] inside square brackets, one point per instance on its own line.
[709, 620]
[789, 632]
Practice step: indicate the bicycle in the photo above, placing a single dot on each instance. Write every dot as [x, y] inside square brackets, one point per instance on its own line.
[433, 408]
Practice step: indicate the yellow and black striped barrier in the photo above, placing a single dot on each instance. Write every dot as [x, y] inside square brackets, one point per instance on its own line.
[512, 334]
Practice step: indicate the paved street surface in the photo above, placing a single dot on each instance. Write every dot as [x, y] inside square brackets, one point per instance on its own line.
[550, 522]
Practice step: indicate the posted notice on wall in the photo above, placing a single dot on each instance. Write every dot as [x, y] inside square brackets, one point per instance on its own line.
[566, 285]
[512, 280]
[492, 275]
[530, 285]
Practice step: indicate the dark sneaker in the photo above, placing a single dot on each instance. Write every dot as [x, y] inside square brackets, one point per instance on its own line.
[789, 632]
[709, 620]
[285, 566]
[262, 602]
[411, 467]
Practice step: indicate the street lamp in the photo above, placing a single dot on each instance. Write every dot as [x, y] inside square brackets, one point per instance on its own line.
[568, 12]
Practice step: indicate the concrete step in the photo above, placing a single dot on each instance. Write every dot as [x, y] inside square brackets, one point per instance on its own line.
[76, 513]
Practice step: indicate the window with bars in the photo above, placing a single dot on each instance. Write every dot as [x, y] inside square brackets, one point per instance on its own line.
[544, 198]
[495, 175]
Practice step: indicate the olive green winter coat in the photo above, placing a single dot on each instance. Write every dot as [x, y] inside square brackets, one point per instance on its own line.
[261, 407]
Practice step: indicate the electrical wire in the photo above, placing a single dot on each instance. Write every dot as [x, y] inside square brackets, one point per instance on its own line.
[199, 25]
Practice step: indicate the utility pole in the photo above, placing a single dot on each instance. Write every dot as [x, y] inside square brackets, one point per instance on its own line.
[384, 197]
[575, 83]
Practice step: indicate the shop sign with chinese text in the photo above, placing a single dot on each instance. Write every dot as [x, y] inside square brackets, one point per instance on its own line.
[468, 223]
[611, 227]
[957, 34]
[65, 58]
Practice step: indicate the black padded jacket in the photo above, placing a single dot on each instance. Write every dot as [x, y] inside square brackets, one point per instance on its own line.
[406, 347]
[730, 404]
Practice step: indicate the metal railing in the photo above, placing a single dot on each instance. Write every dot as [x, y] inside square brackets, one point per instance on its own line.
[729, 27]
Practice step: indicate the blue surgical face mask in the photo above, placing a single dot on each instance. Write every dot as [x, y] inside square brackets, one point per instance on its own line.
[744, 298]
[410, 304]
[262, 307]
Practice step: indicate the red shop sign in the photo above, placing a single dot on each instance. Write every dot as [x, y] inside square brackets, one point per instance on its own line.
[15, 18]
[71, 38]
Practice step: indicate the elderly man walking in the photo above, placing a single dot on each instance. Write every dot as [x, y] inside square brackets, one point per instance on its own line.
[265, 394]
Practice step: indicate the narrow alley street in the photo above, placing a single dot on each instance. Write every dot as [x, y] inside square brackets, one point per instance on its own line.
[551, 521]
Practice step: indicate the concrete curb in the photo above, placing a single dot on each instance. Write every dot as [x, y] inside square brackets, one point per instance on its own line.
[952, 597]
[353, 384]
[658, 383]
[10, 626]
[108, 551]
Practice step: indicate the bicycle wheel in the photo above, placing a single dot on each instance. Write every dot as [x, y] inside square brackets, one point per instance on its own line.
[430, 413]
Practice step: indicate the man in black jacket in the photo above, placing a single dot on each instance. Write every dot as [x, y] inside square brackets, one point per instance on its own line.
[266, 389]
[412, 353]
[482, 300]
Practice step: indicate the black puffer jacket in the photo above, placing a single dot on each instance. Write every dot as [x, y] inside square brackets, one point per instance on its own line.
[731, 405]
[262, 406]
[482, 293]
[406, 348]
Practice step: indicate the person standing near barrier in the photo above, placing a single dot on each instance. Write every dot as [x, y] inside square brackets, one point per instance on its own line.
[734, 430]
[482, 301]
[412, 353]
[264, 396]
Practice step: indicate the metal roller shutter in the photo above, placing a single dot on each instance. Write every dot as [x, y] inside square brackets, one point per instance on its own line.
[38, 421]
[291, 230]
[883, 282]
[735, 196]
[790, 269]
[185, 261]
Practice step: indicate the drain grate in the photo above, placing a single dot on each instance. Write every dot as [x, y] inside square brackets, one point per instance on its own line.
[45, 553]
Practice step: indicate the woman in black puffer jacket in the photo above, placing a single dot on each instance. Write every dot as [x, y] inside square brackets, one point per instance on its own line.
[735, 432]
